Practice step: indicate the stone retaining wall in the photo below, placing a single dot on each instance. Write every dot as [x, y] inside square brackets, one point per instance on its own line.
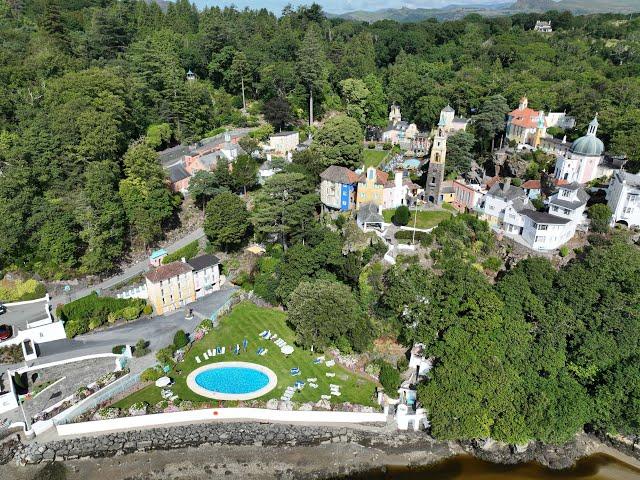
[257, 434]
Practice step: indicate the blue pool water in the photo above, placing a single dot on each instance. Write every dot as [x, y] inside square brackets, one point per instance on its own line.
[232, 380]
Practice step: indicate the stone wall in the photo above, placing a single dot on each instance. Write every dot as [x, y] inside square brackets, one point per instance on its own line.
[256, 434]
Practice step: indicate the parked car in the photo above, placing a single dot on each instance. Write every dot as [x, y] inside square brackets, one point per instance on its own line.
[6, 332]
[3, 309]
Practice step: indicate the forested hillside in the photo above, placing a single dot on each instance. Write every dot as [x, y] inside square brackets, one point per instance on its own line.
[82, 81]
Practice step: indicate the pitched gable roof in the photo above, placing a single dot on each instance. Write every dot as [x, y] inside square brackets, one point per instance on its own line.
[165, 272]
[339, 174]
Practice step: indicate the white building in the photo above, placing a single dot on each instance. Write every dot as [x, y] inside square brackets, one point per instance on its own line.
[549, 231]
[451, 123]
[542, 26]
[399, 191]
[584, 161]
[206, 274]
[623, 197]
[284, 143]
[501, 207]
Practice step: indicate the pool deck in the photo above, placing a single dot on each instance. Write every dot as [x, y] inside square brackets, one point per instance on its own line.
[273, 381]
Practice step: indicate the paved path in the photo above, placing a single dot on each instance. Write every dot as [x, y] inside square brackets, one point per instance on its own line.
[133, 270]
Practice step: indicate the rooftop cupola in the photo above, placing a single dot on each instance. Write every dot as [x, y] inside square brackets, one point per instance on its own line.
[593, 126]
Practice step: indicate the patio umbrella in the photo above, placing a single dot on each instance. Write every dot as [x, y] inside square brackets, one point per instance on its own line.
[163, 382]
[287, 349]
[245, 343]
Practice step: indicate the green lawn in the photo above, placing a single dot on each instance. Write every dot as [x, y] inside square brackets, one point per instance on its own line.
[373, 158]
[247, 320]
[426, 219]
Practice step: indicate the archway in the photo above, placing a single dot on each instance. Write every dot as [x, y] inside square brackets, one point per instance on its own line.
[432, 199]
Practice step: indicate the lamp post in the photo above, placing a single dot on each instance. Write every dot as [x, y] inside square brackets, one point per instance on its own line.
[415, 222]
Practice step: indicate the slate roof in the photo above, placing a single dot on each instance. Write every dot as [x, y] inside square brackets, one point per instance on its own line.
[583, 197]
[203, 261]
[368, 213]
[177, 172]
[572, 186]
[339, 174]
[631, 179]
[511, 193]
[165, 272]
[546, 218]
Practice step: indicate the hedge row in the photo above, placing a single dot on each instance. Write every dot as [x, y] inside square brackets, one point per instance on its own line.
[92, 311]
[19, 291]
[188, 252]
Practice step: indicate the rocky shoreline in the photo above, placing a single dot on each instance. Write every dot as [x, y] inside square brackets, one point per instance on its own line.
[272, 450]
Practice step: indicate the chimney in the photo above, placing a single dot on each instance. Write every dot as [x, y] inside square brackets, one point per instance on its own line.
[398, 179]
[507, 184]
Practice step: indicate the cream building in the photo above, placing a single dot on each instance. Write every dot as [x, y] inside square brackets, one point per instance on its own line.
[170, 287]
[283, 143]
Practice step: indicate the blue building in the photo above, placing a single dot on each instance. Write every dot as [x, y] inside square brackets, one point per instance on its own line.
[337, 188]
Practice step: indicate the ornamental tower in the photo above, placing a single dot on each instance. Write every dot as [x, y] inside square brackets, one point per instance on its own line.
[435, 172]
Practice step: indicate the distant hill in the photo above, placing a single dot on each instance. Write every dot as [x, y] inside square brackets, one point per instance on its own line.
[451, 12]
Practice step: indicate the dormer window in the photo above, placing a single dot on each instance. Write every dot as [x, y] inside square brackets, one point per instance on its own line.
[565, 193]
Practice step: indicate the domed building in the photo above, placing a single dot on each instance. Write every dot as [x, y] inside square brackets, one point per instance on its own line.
[584, 160]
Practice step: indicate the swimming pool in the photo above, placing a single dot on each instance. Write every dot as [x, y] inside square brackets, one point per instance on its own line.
[232, 380]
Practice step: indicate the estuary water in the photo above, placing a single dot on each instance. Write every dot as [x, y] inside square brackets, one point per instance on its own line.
[595, 467]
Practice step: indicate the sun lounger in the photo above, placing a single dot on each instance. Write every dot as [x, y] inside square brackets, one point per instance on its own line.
[313, 385]
[210, 353]
[274, 336]
[330, 374]
[198, 360]
[330, 363]
[325, 397]
[295, 371]
[318, 360]
[222, 350]
[260, 350]
[314, 379]
[333, 385]
[299, 384]
[264, 351]
[335, 394]
[218, 351]
[205, 355]
[263, 334]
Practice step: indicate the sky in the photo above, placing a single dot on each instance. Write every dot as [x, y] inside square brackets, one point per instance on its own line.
[340, 6]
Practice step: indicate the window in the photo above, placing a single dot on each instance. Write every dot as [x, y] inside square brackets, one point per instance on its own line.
[628, 210]
[370, 173]
[554, 209]
[543, 227]
[566, 211]
[565, 193]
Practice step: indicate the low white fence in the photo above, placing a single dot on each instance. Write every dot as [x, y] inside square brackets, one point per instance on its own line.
[121, 385]
[218, 414]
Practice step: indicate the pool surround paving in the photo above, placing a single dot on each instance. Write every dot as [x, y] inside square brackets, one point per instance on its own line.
[193, 385]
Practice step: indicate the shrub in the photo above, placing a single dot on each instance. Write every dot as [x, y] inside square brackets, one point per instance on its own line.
[427, 238]
[180, 339]
[151, 374]
[165, 355]
[492, 263]
[373, 369]
[402, 364]
[389, 377]
[600, 215]
[597, 240]
[118, 349]
[188, 252]
[371, 146]
[340, 221]
[147, 310]
[564, 251]
[21, 291]
[386, 146]
[206, 324]
[92, 311]
[140, 350]
[401, 216]
[11, 354]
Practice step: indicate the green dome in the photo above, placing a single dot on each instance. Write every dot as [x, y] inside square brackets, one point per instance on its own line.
[588, 145]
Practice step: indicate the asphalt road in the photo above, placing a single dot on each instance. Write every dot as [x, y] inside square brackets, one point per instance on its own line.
[158, 331]
[132, 271]
[19, 316]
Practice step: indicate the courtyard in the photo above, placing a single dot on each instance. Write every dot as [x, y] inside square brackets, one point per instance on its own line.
[426, 218]
[247, 321]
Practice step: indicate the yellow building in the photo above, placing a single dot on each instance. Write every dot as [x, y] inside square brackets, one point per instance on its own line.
[371, 187]
[170, 286]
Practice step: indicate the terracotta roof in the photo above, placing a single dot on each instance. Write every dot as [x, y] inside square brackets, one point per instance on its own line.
[492, 181]
[165, 272]
[531, 185]
[526, 118]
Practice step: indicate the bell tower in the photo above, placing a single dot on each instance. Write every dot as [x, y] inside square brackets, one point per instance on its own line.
[435, 172]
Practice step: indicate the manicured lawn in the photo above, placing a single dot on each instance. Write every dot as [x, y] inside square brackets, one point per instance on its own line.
[426, 219]
[247, 320]
[373, 158]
